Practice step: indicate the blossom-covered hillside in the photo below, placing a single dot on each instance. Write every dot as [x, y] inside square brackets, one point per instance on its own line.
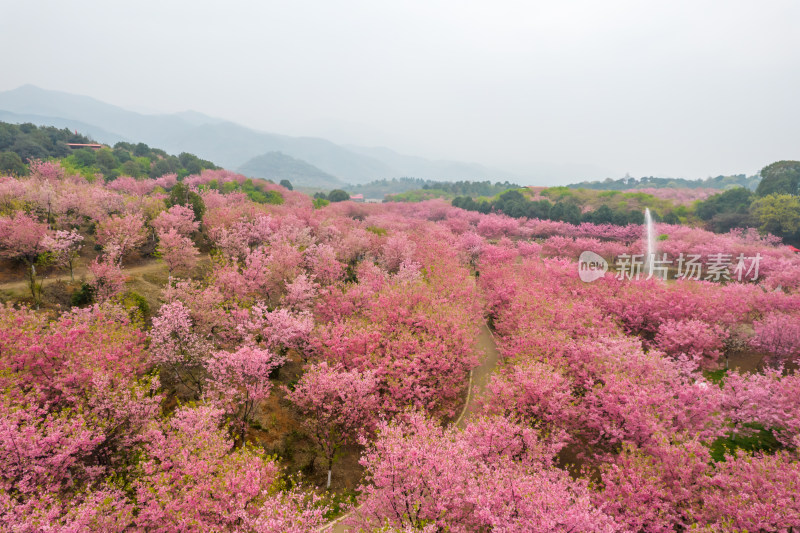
[218, 354]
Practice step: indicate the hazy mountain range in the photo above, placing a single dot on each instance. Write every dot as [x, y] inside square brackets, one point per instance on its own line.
[306, 161]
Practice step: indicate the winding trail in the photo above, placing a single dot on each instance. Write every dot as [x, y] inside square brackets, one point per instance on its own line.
[478, 380]
[145, 267]
[479, 376]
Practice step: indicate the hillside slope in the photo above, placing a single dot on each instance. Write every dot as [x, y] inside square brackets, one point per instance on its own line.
[277, 166]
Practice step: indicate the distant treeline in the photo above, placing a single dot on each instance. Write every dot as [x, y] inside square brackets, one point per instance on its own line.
[139, 160]
[21, 143]
[719, 182]
[514, 204]
[774, 207]
[396, 186]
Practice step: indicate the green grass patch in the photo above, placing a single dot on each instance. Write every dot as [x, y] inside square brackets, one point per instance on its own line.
[758, 440]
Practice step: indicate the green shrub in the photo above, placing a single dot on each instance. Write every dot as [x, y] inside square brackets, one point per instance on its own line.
[82, 296]
[136, 305]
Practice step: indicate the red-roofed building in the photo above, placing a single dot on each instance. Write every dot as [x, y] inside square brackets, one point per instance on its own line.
[77, 146]
[357, 197]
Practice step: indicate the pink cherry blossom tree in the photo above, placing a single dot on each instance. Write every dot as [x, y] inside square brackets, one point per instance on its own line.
[238, 381]
[65, 248]
[336, 406]
[176, 346]
[694, 338]
[122, 233]
[108, 279]
[778, 334]
[179, 218]
[494, 476]
[755, 492]
[279, 330]
[192, 480]
[22, 237]
[63, 357]
[177, 251]
[300, 293]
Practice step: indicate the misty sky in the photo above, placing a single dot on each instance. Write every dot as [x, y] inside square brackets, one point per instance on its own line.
[581, 88]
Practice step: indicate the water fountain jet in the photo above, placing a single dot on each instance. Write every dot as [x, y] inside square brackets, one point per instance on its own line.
[650, 242]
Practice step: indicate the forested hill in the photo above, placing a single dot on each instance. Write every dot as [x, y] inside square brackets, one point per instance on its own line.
[22, 143]
[627, 183]
[277, 166]
[445, 189]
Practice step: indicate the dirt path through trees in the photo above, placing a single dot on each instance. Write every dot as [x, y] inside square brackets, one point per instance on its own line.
[479, 379]
[139, 269]
[480, 375]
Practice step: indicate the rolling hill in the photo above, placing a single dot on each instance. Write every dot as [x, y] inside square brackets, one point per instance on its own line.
[277, 166]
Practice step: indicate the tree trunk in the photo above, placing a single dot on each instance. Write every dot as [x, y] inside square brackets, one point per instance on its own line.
[330, 467]
[32, 274]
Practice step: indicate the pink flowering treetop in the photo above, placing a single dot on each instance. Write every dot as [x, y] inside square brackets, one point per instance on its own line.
[175, 345]
[656, 491]
[398, 248]
[300, 293]
[493, 476]
[212, 315]
[753, 493]
[767, 400]
[676, 486]
[22, 237]
[471, 245]
[62, 358]
[532, 391]
[191, 480]
[779, 335]
[238, 381]
[45, 170]
[65, 247]
[122, 234]
[132, 186]
[53, 458]
[167, 181]
[698, 340]
[279, 330]
[322, 262]
[179, 218]
[419, 343]
[72, 412]
[108, 279]
[336, 406]
[177, 251]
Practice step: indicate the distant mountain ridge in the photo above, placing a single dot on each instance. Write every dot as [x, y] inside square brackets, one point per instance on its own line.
[226, 143]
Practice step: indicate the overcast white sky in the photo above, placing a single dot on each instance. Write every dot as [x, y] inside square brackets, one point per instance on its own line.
[679, 88]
